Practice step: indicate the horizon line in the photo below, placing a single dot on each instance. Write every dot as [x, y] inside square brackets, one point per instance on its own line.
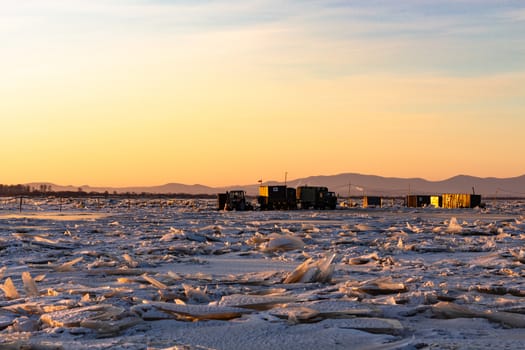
[255, 182]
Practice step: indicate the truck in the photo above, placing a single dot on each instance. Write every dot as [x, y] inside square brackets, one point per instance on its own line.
[315, 197]
[233, 200]
[277, 197]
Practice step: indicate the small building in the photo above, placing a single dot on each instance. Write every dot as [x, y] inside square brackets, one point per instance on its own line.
[475, 201]
[436, 201]
[419, 201]
[372, 201]
[461, 200]
[277, 197]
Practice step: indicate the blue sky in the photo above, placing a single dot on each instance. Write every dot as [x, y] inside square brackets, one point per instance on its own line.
[444, 37]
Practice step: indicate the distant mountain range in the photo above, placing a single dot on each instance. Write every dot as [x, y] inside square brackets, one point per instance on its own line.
[390, 186]
[162, 189]
[343, 184]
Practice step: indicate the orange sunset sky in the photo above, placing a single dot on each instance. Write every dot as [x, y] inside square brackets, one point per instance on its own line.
[122, 93]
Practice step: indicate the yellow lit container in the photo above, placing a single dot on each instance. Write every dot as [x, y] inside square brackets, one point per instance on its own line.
[263, 191]
[435, 201]
[456, 200]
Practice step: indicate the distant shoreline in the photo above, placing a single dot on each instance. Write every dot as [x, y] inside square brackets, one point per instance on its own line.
[344, 185]
[152, 195]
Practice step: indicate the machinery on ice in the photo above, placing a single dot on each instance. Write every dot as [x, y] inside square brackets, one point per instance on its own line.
[233, 200]
[280, 197]
[315, 197]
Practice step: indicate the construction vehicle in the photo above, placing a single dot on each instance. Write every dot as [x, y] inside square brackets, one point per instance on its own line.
[233, 200]
[277, 197]
[315, 197]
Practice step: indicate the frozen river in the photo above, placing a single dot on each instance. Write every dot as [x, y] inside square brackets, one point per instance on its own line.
[161, 274]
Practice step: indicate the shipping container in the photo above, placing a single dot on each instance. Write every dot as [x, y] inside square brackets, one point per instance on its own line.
[436, 201]
[417, 201]
[372, 201]
[276, 197]
[460, 200]
[475, 201]
[307, 196]
[447, 200]
[273, 192]
[315, 197]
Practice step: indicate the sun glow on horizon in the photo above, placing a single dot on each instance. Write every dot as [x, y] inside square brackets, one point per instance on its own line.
[132, 93]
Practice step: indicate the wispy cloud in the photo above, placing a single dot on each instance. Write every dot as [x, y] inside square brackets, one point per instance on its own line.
[327, 38]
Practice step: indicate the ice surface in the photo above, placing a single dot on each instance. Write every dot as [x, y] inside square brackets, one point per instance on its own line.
[159, 274]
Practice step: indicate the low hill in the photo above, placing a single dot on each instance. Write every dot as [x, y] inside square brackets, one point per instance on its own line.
[343, 184]
[359, 184]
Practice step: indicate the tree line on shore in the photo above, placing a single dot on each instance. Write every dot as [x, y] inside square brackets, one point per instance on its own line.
[46, 190]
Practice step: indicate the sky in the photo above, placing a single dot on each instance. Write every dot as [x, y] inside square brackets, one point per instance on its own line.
[138, 93]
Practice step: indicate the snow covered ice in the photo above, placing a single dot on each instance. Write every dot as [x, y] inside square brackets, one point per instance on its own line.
[160, 274]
